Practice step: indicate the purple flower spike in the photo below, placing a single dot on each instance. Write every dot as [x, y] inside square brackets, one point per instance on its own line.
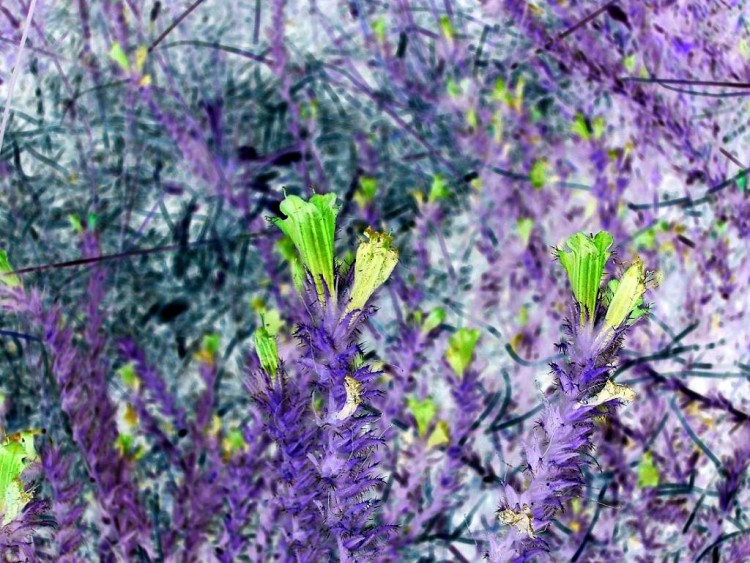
[557, 450]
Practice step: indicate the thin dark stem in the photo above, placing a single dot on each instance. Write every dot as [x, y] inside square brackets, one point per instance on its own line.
[174, 24]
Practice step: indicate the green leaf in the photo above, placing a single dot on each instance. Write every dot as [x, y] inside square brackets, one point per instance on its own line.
[584, 263]
[368, 188]
[648, 473]
[461, 349]
[211, 343]
[423, 412]
[75, 222]
[16, 454]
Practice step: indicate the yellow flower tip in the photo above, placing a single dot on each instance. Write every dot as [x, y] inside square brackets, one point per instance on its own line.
[353, 398]
[627, 295]
[374, 263]
[612, 391]
[522, 519]
[440, 436]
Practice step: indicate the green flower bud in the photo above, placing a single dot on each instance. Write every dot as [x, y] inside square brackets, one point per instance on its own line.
[627, 296]
[461, 349]
[441, 436]
[423, 412]
[433, 320]
[648, 473]
[11, 280]
[311, 226]
[268, 353]
[584, 263]
[373, 266]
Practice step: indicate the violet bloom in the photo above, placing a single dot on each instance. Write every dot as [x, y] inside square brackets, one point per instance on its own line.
[325, 437]
[558, 449]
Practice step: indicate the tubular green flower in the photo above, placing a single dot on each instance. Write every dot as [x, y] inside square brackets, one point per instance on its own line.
[584, 263]
[311, 226]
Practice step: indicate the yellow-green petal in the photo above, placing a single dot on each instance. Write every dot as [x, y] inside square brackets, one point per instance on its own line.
[373, 266]
[423, 412]
[461, 349]
[627, 296]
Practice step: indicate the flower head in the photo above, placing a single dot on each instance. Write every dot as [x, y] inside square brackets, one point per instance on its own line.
[584, 262]
[376, 259]
[311, 225]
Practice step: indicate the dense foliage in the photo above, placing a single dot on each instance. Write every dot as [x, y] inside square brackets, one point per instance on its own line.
[358, 280]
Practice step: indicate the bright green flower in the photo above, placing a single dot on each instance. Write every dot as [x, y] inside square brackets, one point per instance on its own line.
[584, 262]
[311, 226]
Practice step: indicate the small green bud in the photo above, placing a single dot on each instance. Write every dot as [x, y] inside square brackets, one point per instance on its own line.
[446, 27]
[268, 353]
[461, 349]
[6, 277]
[538, 174]
[439, 189]
[524, 226]
[581, 128]
[117, 54]
[373, 266]
[128, 376]
[627, 296]
[648, 473]
[75, 222]
[433, 320]
[311, 226]
[584, 262]
[441, 436]
[423, 412]
[368, 187]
